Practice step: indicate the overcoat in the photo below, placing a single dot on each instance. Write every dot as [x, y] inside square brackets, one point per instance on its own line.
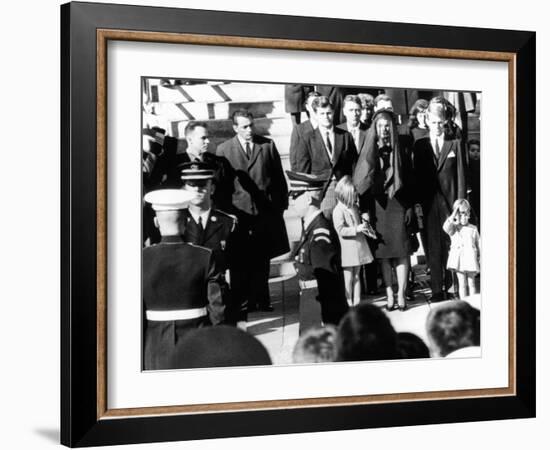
[259, 191]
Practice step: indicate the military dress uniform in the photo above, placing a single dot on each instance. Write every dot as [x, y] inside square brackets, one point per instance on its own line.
[318, 260]
[213, 230]
[182, 290]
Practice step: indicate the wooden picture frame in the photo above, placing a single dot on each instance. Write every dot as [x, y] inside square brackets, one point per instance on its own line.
[85, 417]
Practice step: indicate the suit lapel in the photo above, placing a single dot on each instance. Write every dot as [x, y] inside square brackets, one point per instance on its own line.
[320, 144]
[238, 157]
[361, 140]
[444, 152]
[256, 150]
[338, 146]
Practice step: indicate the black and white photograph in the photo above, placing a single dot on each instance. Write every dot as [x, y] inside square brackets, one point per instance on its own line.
[289, 224]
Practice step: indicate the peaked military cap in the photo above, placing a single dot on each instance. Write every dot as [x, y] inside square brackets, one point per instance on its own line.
[169, 199]
[196, 170]
[301, 182]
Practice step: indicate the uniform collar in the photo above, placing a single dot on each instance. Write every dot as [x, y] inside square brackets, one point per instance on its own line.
[171, 240]
[205, 215]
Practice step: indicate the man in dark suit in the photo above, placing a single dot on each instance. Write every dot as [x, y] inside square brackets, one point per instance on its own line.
[317, 255]
[210, 228]
[197, 136]
[327, 151]
[182, 289]
[440, 174]
[336, 95]
[259, 198]
[352, 111]
[301, 130]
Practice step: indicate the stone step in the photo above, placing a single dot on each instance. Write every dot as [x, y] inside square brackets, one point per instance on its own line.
[214, 92]
[208, 111]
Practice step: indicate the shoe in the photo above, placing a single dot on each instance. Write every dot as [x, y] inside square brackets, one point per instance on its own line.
[266, 308]
[390, 308]
[402, 308]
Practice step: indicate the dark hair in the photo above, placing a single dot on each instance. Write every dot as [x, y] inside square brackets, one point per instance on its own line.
[219, 346]
[453, 326]
[474, 142]
[366, 100]
[365, 333]
[321, 102]
[419, 105]
[311, 94]
[190, 127]
[411, 346]
[241, 113]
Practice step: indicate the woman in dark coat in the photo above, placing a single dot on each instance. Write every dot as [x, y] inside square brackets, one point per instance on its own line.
[390, 192]
[417, 126]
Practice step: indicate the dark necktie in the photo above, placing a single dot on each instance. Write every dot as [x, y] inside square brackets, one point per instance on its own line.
[201, 231]
[248, 151]
[329, 145]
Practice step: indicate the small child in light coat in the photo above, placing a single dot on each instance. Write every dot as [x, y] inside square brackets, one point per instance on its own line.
[353, 242]
[465, 249]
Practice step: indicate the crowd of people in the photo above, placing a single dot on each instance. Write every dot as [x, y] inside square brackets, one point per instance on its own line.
[366, 334]
[364, 189]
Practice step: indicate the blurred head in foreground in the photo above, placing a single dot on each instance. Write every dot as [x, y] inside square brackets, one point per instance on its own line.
[219, 346]
[316, 345]
[365, 333]
[410, 346]
[452, 326]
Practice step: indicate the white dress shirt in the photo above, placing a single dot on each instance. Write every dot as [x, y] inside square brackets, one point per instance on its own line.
[440, 140]
[204, 217]
[243, 145]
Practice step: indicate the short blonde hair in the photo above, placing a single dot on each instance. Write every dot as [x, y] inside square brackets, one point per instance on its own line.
[462, 202]
[345, 191]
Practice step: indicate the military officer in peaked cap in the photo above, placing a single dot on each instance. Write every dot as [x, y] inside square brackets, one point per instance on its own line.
[182, 289]
[210, 228]
[317, 256]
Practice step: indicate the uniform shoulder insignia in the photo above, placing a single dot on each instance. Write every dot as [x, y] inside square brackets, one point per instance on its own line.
[228, 217]
[322, 238]
[221, 213]
[321, 231]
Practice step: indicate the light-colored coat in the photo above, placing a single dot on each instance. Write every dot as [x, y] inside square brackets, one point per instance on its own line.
[355, 250]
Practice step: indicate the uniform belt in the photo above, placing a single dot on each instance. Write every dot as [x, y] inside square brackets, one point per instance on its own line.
[307, 284]
[175, 314]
